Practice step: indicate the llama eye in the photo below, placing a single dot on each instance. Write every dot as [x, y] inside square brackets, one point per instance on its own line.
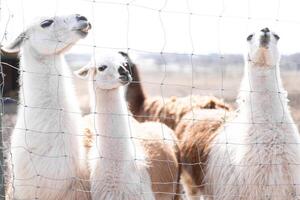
[47, 23]
[126, 65]
[249, 37]
[276, 36]
[102, 68]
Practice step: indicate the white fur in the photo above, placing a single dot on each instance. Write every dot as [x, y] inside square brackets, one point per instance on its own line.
[257, 155]
[118, 169]
[46, 150]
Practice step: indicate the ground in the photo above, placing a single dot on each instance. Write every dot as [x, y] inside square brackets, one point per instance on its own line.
[223, 84]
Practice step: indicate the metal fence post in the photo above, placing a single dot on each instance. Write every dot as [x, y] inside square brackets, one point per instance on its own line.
[2, 163]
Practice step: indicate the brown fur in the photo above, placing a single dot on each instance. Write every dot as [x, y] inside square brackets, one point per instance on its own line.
[159, 149]
[169, 110]
[194, 136]
[196, 132]
[159, 146]
[88, 139]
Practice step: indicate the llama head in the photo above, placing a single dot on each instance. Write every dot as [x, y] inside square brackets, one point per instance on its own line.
[262, 48]
[50, 36]
[107, 71]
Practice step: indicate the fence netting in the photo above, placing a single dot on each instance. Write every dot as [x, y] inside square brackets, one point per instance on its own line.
[188, 54]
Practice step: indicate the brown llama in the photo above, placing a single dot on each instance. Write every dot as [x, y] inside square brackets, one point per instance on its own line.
[168, 111]
[195, 120]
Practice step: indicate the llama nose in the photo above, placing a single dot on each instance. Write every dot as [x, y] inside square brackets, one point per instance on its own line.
[265, 30]
[265, 38]
[81, 18]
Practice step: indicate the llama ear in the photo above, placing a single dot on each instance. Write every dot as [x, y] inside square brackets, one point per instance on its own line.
[124, 54]
[82, 72]
[14, 47]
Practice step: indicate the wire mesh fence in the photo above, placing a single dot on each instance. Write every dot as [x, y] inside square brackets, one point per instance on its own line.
[187, 95]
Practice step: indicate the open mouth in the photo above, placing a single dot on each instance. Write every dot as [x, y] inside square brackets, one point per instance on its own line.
[85, 29]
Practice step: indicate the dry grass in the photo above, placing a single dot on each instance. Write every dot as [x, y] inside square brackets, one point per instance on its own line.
[222, 85]
[207, 82]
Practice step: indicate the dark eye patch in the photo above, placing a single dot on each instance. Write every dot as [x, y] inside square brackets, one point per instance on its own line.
[276, 36]
[126, 65]
[102, 68]
[249, 37]
[122, 71]
[47, 23]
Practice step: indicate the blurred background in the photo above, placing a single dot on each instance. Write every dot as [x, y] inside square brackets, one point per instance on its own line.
[181, 47]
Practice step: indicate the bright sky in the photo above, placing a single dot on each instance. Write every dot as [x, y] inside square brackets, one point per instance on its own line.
[214, 26]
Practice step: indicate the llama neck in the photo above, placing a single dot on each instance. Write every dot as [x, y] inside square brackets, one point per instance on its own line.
[46, 90]
[112, 124]
[135, 95]
[43, 79]
[262, 97]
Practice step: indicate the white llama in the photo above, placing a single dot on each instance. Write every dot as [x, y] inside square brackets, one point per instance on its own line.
[126, 155]
[47, 156]
[257, 155]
